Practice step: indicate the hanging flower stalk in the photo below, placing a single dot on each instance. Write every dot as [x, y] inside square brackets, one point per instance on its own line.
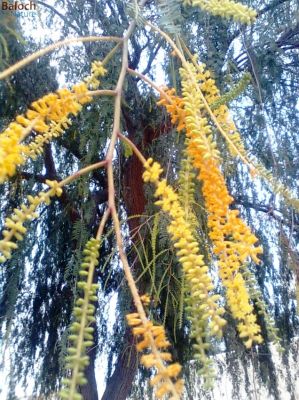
[14, 226]
[152, 340]
[49, 117]
[204, 312]
[81, 333]
[232, 239]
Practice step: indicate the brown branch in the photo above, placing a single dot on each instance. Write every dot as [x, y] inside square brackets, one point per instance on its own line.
[267, 209]
[27, 60]
[49, 162]
[111, 203]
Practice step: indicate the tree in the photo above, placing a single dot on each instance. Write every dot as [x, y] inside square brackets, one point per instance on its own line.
[48, 295]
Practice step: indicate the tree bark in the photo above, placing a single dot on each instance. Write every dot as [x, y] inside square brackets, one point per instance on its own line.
[90, 391]
[119, 384]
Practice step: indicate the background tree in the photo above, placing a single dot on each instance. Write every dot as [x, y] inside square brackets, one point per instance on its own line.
[39, 282]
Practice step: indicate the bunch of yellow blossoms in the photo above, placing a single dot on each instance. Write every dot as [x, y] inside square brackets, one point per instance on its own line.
[14, 225]
[205, 313]
[11, 151]
[97, 70]
[226, 9]
[232, 239]
[153, 339]
[49, 117]
[53, 107]
[208, 87]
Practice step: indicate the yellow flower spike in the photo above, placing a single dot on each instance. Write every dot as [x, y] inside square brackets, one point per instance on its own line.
[196, 273]
[225, 9]
[152, 338]
[232, 238]
[49, 116]
[81, 333]
[14, 225]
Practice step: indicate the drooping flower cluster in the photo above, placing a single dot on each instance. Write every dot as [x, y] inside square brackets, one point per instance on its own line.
[11, 150]
[232, 239]
[233, 93]
[186, 194]
[152, 339]
[81, 336]
[53, 112]
[220, 110]
[175, 108]
[14, 226]
[97, 71]
[208, 87]
[53, 107]
[233, 138]
[204, 312]
[225, 9]
[49, 117]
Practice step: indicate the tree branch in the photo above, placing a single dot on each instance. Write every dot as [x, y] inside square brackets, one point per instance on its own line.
[59, 15]
[267, 209]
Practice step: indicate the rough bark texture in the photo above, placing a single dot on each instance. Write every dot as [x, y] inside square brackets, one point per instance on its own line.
[119, 384]
[89, 391]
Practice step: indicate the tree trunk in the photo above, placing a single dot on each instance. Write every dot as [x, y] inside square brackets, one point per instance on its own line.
[119, 384]
[90, 391]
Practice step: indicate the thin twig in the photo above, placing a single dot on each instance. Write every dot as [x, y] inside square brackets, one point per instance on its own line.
[102, 224]
[132, 146]
[81, 172]
[151, 83]
[99, 93]
[20, 64]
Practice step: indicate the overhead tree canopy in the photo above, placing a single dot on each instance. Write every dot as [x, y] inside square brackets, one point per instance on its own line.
[170, 211]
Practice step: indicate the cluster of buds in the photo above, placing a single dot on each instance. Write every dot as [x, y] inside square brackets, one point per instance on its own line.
[203, 310]
[49, 117]
[56, 129]
[225, 9]
[152, 338]
[233, 241]
[81, 333]
[97, 70]
[14, 226]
